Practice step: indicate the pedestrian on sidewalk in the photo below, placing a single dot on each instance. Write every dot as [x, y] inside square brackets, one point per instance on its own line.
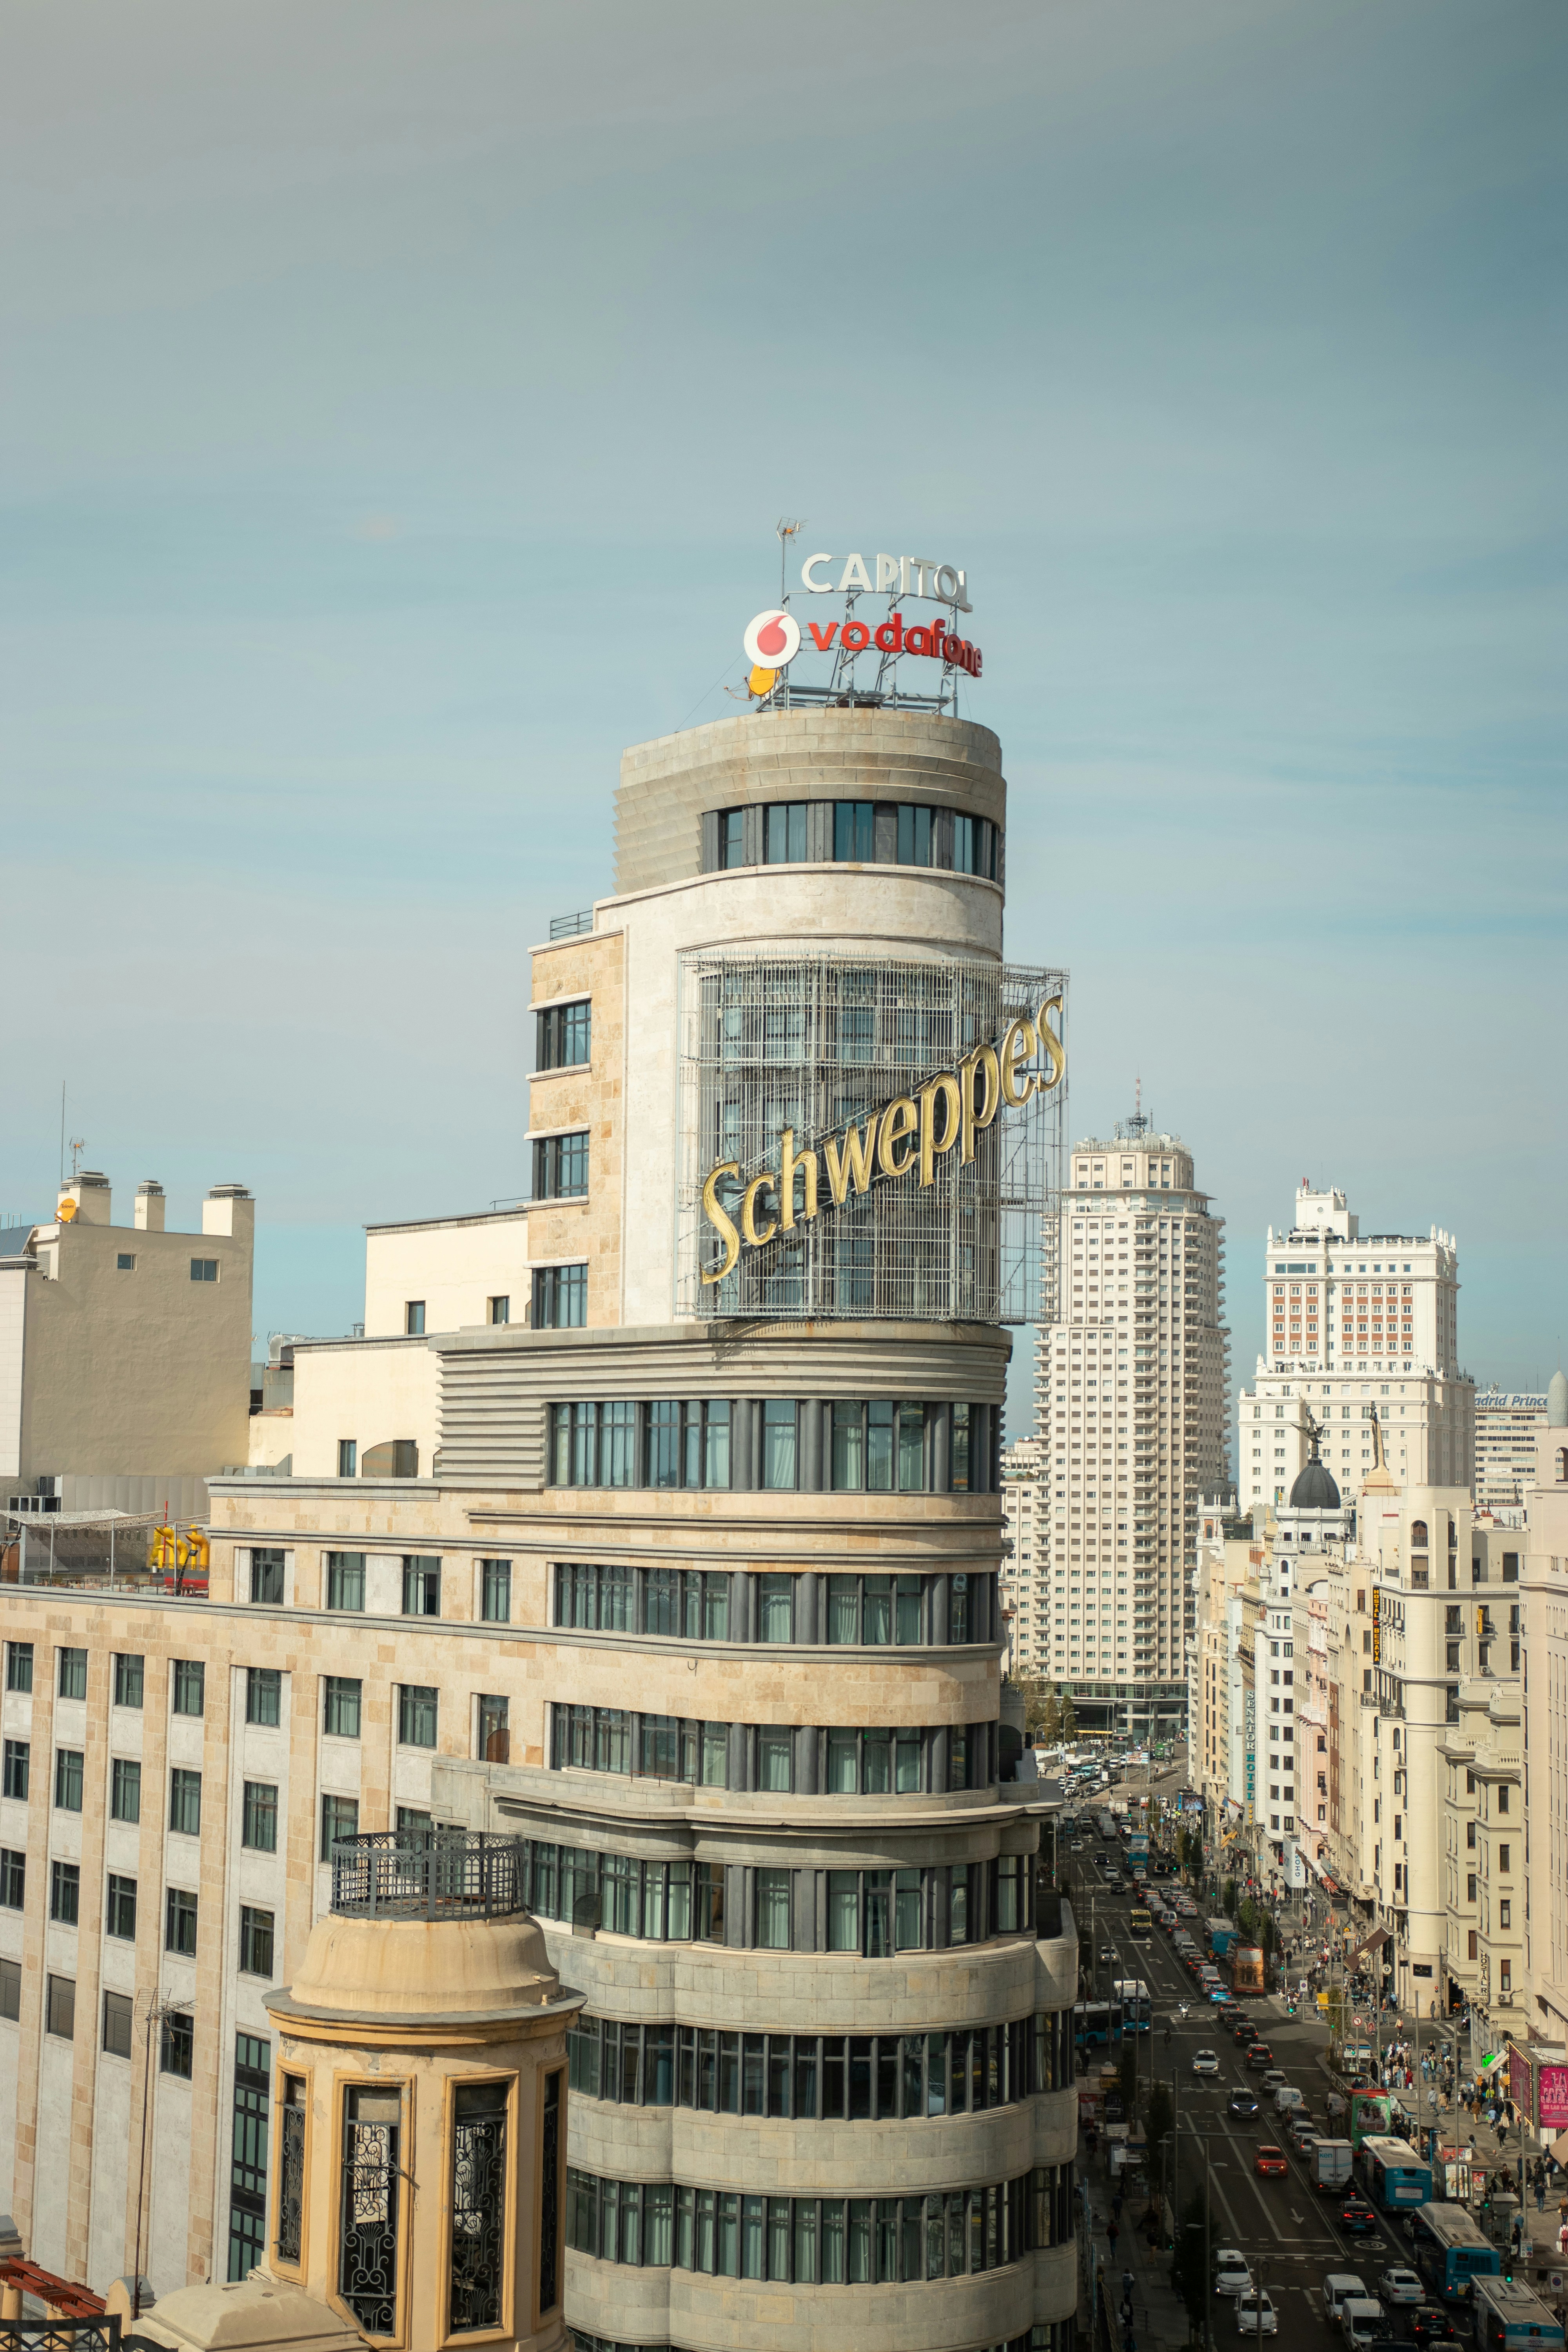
[1110, 2234]
[1539, 2193]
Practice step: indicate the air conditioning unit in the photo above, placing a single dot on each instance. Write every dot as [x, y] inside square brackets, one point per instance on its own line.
[1504, 2001]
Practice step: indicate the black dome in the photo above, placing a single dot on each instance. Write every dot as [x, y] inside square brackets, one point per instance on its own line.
[1314, 1489]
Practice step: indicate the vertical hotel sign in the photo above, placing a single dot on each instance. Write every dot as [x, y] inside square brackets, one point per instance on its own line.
[1376, 1625]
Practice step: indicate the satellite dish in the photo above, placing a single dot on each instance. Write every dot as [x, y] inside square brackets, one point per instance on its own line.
[66, 1211]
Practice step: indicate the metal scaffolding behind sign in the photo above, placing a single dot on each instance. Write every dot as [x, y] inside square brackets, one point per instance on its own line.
[819, 1044]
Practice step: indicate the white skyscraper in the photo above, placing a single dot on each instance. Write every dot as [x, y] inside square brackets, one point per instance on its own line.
[1351, 1321]
[1131, 1385]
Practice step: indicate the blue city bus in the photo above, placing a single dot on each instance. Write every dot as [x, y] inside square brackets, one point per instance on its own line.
[1096, 2024]
[1132, 1994]
[1393, 2173]
[1509, 2318]
[1451, 2250]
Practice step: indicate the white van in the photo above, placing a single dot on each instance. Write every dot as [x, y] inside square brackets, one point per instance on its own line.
[1362, 2320]
[1338, 2288]
[1287, 2100]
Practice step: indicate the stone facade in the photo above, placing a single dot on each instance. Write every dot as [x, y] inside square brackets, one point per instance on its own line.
[704, 1611]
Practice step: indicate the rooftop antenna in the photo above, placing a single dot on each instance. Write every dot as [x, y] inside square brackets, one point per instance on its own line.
[786, 528]
[78, 1145]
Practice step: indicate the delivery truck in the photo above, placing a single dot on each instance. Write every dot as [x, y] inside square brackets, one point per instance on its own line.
[1329, 2162]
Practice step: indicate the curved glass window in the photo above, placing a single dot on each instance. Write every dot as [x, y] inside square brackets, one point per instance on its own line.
[825, 2241]
[862, 833]
[813, 2077]
[876, 1913]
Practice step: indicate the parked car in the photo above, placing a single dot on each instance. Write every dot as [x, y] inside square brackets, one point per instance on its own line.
[1242, 2100]
[1398, 2284]
[1270, 2162]
[1231, 2276]
[1255, 2316]
[1204, 2062]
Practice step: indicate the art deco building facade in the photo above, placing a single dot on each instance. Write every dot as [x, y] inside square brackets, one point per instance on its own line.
[703, 1536]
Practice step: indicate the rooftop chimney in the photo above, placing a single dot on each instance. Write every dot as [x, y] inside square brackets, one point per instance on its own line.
[89, 1195]
[150, 1206]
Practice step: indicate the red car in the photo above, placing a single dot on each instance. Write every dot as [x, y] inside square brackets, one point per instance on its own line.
[1270, 2162]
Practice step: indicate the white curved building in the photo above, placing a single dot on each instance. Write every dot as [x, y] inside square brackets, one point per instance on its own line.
[696, 1504]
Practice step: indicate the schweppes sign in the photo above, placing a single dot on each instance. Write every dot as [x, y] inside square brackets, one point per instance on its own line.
[902, 1140]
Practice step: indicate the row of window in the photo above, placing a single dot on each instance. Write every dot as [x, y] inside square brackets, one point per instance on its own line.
[695, 1605]
[865, 833]
[786, 1444]
[833, 2077]
[188, 1681]
[930, 1908]
[805, 1759]
[179, 1907]
[125, 1786]
[176, 2041]
[819, 2241]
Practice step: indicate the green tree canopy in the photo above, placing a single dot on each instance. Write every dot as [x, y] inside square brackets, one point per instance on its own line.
[1227, 1901]
[1188, 2263]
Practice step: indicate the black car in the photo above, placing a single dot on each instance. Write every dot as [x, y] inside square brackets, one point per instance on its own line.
[1260, 2055]
[1244, 2030]
[1357, 2217]
[1242, 2101]
[1430, 2324]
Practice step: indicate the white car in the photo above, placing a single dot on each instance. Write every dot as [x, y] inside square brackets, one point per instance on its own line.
[1231, 2276]
[1255, 2316]
[1204, 2063]
[1401, 2285]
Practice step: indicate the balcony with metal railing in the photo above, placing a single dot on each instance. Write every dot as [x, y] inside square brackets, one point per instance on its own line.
[428, 1874]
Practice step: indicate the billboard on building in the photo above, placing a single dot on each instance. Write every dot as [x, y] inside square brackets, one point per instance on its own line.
[1552, 2098]
[862, 1136]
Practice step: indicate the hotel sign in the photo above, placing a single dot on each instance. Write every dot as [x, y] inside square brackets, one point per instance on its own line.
[903, 1137]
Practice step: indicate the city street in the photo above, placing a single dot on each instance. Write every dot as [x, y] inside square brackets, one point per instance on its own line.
[1289, 2236]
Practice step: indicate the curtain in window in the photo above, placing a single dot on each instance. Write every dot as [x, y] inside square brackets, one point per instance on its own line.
[772, 1910]
[876, 1611]
[779, 1443]
[843, 1910]
[849, 1448]
[843, 1763]
[843, 1608]
[775, 1757]
[775, 1610]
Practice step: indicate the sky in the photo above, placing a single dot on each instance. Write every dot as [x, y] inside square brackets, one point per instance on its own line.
[396, 404]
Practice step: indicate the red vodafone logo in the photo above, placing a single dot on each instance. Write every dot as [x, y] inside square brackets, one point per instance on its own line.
[772, 640]
[936, 643]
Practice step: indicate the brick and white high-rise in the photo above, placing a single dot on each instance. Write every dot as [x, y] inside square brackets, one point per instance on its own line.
[1132, 1389]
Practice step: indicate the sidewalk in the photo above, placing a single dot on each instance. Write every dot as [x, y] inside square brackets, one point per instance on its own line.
[1158, 2315]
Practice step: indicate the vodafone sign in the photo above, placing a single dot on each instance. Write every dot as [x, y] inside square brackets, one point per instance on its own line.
[771, 639]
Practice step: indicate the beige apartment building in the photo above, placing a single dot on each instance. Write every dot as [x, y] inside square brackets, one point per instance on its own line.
[1509, 1423]
[1355, 1323]
[690, 1484]
[1131, 1416]
[124, 1353]
[1543, 1693]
